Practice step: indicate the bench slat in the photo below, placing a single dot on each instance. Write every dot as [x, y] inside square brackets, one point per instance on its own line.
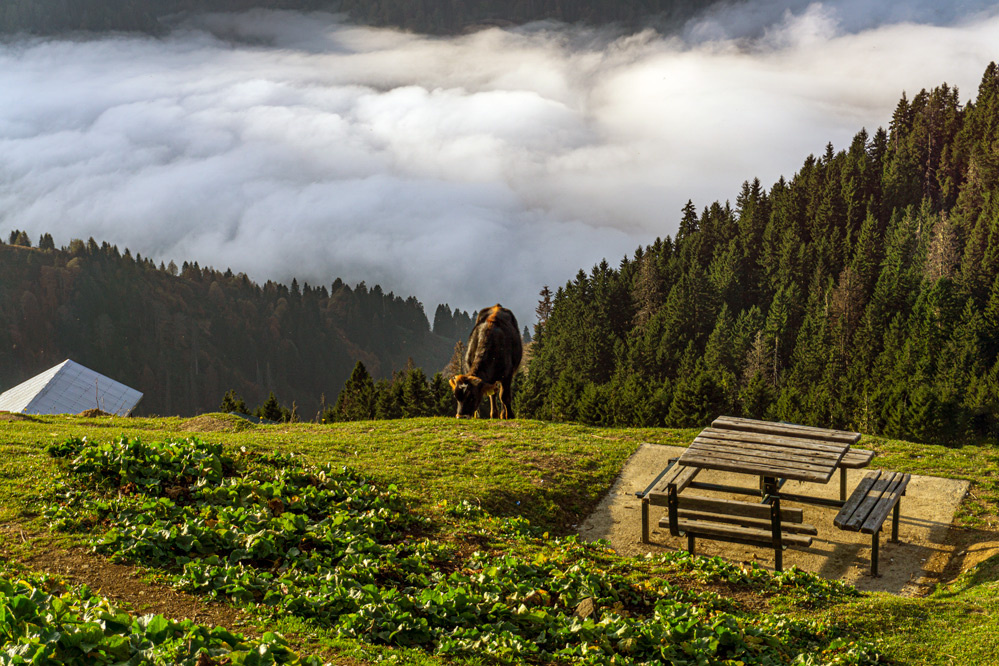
[742, 534]
[880, 491]
[680, 475]
[736, 508]
[758, 523]
[882, 508]
[858, 495]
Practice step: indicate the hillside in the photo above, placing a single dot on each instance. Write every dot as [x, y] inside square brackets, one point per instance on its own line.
[186, 336]
[458, 577]
[863, 292]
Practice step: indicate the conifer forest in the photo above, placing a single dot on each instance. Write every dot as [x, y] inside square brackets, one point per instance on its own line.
[186, 335]
[861, 293]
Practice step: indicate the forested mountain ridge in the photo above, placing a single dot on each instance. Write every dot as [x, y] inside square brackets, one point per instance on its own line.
[430, 16]
[186, 336]
[861, 293]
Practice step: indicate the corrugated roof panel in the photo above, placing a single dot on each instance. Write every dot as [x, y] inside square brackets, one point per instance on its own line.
[70, 388]
[19, 397]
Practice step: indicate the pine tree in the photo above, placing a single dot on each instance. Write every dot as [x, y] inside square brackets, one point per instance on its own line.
[416, 397]
[356, 401]
[272, 410]
[232, 402]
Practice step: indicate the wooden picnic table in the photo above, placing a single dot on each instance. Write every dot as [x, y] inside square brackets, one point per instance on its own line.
[769, 450]
[775, 453]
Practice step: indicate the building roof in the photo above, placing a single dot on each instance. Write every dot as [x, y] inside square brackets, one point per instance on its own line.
[70, 388]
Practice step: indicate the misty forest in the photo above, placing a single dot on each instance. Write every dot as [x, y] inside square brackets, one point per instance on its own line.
[863, 292]
[860, 292]
[186, 335]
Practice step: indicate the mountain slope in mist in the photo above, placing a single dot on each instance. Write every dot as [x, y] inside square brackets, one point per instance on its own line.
[863, 293]
[185, 336]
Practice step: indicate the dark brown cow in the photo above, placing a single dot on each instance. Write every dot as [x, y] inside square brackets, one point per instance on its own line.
[494, 352]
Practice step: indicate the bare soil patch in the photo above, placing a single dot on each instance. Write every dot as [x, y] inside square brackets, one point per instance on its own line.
[930, 550]
[123, 584]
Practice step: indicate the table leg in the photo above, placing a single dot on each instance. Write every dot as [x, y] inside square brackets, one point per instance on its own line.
[874, 554]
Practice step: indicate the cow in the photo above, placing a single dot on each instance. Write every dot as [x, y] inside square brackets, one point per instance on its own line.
[494, 352]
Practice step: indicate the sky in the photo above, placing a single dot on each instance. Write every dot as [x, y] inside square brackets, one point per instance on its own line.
[467, 170]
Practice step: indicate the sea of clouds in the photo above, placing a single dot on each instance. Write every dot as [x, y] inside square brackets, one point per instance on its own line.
[466, 170]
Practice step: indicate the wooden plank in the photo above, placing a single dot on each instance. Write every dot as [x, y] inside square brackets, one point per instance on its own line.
[735, 508]
[878, 492]
[842, 519]
[758, 523]
[857, 458]
[794, 445]
[744, 534]
[883, 508]
[680, 475]
[767, 452]
[709, 462]
[752, 458]
[790, 429]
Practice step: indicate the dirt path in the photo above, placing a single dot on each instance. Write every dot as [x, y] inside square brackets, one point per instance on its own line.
[910, 567]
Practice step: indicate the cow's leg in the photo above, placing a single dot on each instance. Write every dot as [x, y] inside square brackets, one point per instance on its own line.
[492, 405]
[506, 395]
[500, 403]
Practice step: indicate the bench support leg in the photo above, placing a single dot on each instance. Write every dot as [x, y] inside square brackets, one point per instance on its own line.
[842, 484]
[874, 554]
[770, 491]
[894, 520]
[645, 520]
[690, 544]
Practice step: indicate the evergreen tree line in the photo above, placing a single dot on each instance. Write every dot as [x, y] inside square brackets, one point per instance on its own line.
[429, 16]
[183, 335]
[408, 394]
[452, 325]
[862, 293]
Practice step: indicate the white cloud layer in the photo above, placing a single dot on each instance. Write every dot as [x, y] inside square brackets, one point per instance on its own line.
[467, 170]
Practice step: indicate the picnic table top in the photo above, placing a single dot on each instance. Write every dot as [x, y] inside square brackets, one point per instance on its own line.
[764, 448]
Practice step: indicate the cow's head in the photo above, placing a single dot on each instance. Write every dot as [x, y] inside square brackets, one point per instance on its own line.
[469, 391]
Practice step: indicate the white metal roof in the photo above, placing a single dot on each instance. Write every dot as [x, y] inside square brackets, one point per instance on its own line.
[70, 388]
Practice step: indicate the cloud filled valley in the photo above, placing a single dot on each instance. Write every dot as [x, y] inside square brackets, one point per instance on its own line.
[466, 170]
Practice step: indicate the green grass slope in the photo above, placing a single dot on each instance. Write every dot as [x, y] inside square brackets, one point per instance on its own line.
[463, 486]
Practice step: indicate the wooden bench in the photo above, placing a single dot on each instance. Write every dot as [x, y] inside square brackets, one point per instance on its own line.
[656, 495]
[736, 522]
[852, 459]
[869, 505]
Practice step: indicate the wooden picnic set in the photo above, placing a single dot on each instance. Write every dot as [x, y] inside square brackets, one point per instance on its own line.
[773, 453]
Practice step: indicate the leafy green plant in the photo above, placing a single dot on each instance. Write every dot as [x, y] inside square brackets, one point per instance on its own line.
[40, 623]
[329, 546]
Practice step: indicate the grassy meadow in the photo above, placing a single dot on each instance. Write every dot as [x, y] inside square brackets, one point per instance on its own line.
[465, 484]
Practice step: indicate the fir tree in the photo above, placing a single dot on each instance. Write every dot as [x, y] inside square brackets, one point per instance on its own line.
[232, 402]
